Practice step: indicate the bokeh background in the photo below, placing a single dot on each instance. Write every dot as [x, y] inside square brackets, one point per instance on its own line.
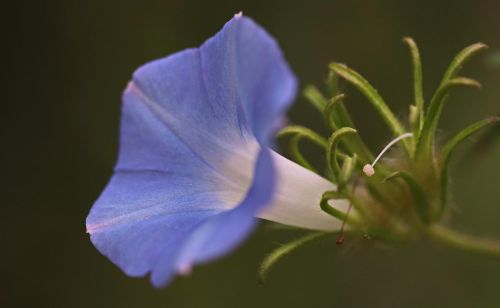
[66, 63]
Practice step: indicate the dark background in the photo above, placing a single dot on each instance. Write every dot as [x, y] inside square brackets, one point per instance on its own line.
[65, 64]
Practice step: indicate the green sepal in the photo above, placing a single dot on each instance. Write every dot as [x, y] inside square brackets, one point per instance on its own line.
[422, 205]
[352, 219]
[341, 118]
[299, 133]
[284, 250]
[320, 102]
[331, 117]
[425, 145]
[460, 59]
[327, 208]
[297, 155]
[331, 150]
[347, 170]
[371, 94]
[448, 149]
[486, 140]
[413, 119]
[417, 82]
[426, 136]
[315, 97]
[304, 132]
[339, 113]
[332, 83]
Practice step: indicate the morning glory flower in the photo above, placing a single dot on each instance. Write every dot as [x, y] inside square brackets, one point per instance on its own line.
[195, 165]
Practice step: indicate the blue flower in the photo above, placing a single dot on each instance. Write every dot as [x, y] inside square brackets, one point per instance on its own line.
[195, 166]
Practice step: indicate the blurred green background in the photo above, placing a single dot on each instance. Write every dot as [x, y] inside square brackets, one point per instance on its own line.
[66, 63]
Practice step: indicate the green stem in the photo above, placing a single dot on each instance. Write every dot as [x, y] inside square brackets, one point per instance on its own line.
[464, 241]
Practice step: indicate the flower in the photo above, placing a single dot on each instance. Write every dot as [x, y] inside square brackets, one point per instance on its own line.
[195, 166]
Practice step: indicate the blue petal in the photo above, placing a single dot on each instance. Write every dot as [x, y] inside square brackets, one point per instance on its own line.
[183, 118]
[246, 65]
[136, 240]
[221, 233]
[153, 193]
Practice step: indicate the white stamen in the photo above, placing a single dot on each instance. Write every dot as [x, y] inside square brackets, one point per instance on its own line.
[368, 168]
[238, 15]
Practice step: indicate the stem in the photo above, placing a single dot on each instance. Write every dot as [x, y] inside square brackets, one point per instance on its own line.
[464, 241]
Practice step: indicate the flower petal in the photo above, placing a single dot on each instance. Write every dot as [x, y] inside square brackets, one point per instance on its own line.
[133, 231]
[154, 196]
[221, 233]
[175, 199]
[246, 65]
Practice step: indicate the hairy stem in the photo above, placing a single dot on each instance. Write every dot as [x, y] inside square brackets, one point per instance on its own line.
[464, 241]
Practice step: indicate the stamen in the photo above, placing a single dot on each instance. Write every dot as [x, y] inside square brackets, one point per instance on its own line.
[368, 168]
